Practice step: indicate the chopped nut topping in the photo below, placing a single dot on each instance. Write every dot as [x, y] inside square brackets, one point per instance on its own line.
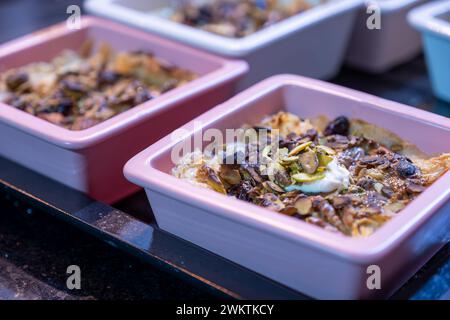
[381, 181]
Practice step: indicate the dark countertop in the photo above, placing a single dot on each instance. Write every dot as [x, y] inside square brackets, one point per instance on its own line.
[36, 249]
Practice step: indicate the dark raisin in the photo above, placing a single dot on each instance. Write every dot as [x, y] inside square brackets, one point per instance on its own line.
[64, 107]
[243, 190]
[405, 168]
[15, 80]
[108, 77]
[201, 16]
[204, 15]
[340, 125]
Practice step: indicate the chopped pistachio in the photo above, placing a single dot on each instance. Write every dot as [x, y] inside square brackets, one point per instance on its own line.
[299, 148]
[304, 177]
[326, 150]
[324, 159]
[288, 160]
[309, 162]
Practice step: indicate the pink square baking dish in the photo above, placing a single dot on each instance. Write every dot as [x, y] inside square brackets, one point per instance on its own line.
[91, 160]
[304, 257]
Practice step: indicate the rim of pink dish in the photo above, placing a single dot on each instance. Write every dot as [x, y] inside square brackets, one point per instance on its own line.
[228, 70]
[142, 171]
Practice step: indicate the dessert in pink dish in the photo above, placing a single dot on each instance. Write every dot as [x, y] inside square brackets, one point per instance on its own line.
[75, 105]
[310, 244]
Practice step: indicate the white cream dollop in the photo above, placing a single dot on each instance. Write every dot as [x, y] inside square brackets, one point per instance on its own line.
[336, 178]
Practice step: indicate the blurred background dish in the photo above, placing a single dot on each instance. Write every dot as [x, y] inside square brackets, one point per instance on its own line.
[311, 43]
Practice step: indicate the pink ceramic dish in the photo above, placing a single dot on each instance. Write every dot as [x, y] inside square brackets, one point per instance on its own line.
[91, 160]
[378, 50]
[302, 256]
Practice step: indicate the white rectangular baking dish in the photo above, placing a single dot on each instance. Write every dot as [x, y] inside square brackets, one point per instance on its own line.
[312, 43]
[377, 51]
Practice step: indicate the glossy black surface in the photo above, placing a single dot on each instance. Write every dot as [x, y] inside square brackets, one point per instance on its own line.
[27, 191]
[139, 237]
[36, 248]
